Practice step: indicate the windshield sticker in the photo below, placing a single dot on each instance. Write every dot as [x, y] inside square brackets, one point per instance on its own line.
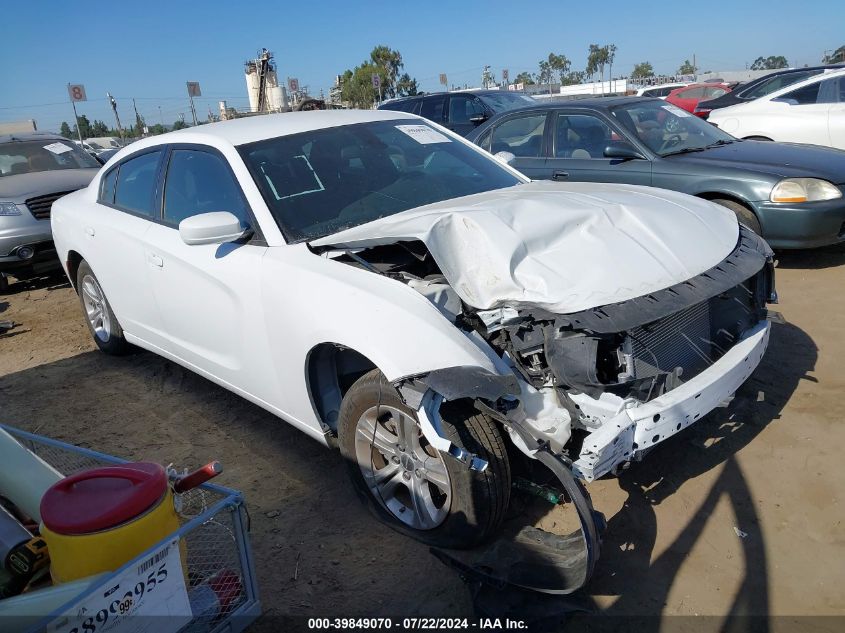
[58, 148]
[423, 134]
[675, 110]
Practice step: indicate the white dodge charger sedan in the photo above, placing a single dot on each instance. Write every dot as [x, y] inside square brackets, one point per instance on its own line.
[390, 289]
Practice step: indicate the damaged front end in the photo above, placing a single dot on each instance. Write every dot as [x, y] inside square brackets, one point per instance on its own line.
[586, 392]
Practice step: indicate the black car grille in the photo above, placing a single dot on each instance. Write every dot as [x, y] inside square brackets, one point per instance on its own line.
[40, 206]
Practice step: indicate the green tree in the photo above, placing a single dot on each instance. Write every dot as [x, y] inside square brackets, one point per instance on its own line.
[771, 62]
[641, 70]
[611, 55]
[597, 58]
[99, 128]
[391, 61]
[573, 78]
[405, 86]
[158, 128]
[84, 127]
[837, 57]
[179, 124]
[559, 65]
[524, 78]
[687, 68]
[358, 90]
[65, 130]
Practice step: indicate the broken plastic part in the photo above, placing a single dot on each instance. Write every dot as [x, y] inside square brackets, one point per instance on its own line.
[429, 418]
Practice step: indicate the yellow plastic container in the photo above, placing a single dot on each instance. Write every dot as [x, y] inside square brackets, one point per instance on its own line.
[98, 520]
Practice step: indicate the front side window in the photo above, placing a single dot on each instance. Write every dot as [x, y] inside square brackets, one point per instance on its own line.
[805, 95]
[200, 182]
[521, 136]
[320, 182]
[26, 157]
[136, 182]
[464, 108]
[581, 136]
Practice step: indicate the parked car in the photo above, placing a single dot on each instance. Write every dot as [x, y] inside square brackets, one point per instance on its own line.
[760, 87]
[461, 112]
[811, 111]
[387, 287]
[688, 97]
[661, 92]
[791, 195]
[36, 168]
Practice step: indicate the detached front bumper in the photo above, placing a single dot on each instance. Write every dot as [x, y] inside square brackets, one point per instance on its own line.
[635, 429]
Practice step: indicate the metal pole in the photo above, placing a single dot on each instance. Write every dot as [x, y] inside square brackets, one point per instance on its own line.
[116, 117]
[193, 110]
[161, 116]
[76, 116]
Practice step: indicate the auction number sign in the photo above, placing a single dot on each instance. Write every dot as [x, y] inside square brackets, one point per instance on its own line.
[76, 92]
[154, 587]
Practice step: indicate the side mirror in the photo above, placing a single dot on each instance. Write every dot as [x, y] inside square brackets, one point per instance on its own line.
[478, 119]
[505, 157]
[622, 150]
[217, 227]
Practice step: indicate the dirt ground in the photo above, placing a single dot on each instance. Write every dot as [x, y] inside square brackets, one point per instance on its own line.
[768, 467]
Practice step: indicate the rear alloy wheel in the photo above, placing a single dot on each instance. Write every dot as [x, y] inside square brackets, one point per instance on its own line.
[410, 485]
[102, 323]
[743, 214]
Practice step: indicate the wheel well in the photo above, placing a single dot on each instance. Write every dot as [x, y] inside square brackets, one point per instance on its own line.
[73, 261]
[331, 369]
[756, 138]
[718, 195]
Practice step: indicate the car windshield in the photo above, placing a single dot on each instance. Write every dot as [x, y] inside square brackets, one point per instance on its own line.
[26, 157]
[321, 182]
[666, 129]
[503, 101]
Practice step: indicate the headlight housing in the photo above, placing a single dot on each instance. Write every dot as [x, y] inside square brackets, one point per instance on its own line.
[9, 208]
[804, 190]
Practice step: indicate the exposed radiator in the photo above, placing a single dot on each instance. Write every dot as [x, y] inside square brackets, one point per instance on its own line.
[678, 340]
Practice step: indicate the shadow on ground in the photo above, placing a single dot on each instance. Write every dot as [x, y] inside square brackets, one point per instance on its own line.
[814, 258]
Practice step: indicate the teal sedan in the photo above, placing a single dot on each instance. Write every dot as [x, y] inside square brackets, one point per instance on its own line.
[792, 195]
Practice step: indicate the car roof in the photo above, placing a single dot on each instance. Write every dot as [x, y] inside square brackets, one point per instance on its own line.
[475, 91]
[800, 84]
[258, 128]
[31, 136]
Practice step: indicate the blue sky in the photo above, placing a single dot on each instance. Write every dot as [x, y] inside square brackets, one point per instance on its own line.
[149, 50]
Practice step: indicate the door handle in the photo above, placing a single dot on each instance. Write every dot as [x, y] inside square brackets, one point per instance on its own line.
[155, 260]
[560, 175]
[89, 231]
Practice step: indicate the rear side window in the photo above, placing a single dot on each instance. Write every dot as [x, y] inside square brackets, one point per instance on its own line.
[776, 83]
[803, 96]
[692, 93]
[136, 183]
[407, 105]
[432, 108]
[107, 186]
[463, 108]
[521, 136]
[200, 182]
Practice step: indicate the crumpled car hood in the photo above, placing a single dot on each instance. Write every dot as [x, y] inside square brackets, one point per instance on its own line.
[560, 247]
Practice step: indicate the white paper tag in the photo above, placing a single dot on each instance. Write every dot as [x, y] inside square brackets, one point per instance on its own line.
[676, 110]
[423, 134]
[153, 587]
[57, 148]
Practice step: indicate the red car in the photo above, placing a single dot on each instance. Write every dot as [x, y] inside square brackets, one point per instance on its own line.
[689, 96]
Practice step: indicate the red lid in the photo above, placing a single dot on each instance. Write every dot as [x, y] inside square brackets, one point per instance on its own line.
[102, 498]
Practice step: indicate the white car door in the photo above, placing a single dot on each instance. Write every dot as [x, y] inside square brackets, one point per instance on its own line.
[803, 115]
[115, 229]
[836, 115]
[207, 295]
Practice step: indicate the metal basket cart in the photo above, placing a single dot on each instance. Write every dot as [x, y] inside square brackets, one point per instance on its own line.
[213, 536]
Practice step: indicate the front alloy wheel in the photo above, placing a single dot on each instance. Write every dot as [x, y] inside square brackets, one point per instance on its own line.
[404, 473]
[410, 485]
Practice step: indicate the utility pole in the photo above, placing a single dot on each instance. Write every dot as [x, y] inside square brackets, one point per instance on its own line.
[694, 67]
[78, 127]
[116, 117]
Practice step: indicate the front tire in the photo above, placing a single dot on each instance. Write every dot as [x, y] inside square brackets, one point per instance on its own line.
[102, 323]
[408, 484]
[743, 214]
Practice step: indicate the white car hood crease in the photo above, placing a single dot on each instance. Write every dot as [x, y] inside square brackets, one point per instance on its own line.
[561, 247]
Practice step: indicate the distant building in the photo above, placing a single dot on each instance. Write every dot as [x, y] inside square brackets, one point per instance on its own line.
[18, 127]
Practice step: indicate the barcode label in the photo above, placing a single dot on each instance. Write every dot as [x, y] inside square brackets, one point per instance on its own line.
[154, 560]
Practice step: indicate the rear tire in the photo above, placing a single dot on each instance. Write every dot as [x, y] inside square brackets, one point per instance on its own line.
[743, 214]
[400, 477]
[102, 323]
